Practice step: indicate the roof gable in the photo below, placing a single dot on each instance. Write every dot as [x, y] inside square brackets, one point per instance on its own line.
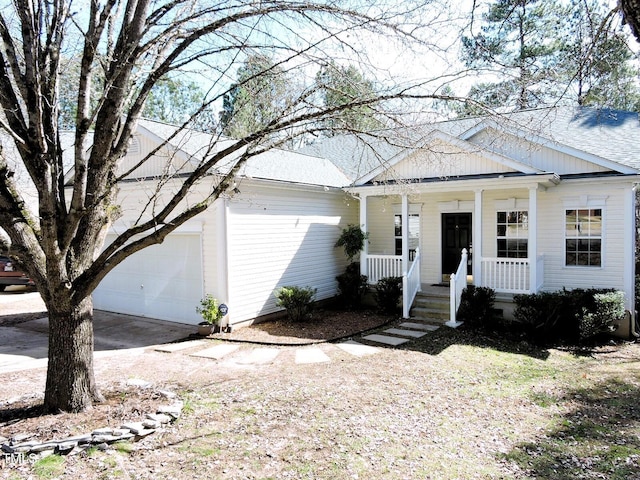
[444, 156]
[604, 140]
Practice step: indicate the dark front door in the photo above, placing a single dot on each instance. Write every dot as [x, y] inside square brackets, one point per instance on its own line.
[456, 235]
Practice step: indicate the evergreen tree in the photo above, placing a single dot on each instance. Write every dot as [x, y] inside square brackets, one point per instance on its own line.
[341, 85]
[517, 42]
[258, 96]
[596, 62]
[173, 101]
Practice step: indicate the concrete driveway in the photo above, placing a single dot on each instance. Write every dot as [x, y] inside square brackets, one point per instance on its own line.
[24, 345]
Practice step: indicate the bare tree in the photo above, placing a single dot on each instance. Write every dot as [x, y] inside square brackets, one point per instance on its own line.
[126, 47]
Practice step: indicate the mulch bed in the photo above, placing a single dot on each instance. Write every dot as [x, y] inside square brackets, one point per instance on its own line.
[323, 326]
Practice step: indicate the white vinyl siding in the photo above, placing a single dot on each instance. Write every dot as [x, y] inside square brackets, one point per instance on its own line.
[551, 238]
[164, 160]
[543, 158]
[442, 161]
[281, 237]
[214, 281]
[380, 213]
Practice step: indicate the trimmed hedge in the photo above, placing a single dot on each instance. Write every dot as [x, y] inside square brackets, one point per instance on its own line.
[297, 301]
[569, 316]
[351, 286]
[476, 307]
[387, 294]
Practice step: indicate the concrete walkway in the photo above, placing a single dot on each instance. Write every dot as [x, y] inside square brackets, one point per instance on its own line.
[248, 355]
[24, 345]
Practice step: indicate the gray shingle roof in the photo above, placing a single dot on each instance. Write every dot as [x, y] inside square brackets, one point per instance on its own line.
[608, 134]
[275, 164]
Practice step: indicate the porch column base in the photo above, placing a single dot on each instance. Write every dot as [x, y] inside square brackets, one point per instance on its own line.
[453, 324]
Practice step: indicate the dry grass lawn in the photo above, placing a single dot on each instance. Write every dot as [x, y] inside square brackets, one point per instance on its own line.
[452, 405]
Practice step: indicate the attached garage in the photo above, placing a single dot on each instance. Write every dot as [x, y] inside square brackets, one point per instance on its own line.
[162, 281]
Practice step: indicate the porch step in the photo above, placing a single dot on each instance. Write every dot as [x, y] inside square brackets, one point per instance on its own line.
[430, 315]
[434, 303]
[432, 306]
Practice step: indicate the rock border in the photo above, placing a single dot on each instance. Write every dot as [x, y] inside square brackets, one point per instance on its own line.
[18, 449]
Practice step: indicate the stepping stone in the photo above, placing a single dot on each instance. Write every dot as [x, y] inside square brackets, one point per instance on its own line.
[176, 347]
[258, 356]
[420, 326]
[357, 349]
[216, 352]
[405, 333]
[385, 339]
[311, 355]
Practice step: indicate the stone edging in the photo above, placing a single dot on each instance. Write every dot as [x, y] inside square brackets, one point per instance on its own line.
[18, 449]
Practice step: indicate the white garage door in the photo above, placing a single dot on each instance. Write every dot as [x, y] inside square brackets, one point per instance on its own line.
[162, 281]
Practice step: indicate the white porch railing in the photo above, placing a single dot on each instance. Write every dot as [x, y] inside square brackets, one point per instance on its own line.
[411, 285]
[382, 266]
[457, 283]
[511, 275]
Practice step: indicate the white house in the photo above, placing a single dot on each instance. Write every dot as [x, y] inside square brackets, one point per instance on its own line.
[541, 200]
[278, 227]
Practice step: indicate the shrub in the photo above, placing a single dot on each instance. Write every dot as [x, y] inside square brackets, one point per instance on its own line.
[568, 315]
[210, 310]
[387, 293]
[297, 301]
[476, 307]
[540, 314]
[608, 309]
[351, 286]
[352, 240]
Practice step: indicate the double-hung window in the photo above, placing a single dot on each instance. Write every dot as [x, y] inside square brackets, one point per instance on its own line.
[512, 233]
[583, 237]
[414, 234]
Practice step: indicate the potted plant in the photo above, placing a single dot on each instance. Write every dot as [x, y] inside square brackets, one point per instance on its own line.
[209, 309]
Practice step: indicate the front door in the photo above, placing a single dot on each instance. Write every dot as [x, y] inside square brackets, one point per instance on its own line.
[456, 235]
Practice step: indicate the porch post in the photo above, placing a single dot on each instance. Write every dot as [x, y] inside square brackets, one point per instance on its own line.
[532, 246]
[405, 256]
[363, 225]
[476, 257]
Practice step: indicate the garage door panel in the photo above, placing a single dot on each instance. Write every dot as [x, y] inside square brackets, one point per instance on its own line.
[162, 281]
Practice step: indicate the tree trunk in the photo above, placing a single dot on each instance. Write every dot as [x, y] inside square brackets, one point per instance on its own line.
[70, 383]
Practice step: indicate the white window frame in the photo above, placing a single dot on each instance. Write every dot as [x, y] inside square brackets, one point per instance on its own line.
[585, 202]
[519, 230]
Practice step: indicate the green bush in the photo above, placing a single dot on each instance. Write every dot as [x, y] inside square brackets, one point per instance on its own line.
[476, 307]
[568, 316]
[540, 314]
[387, 293]
[351, 286]
[209, 309]
[297, 301]
[352, 240]
[608, 309]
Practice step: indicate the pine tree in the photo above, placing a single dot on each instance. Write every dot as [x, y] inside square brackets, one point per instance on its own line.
[258, 96]
[341, 85]
[517, 42]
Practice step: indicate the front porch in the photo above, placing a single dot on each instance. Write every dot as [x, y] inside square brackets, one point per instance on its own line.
[503, 275]
[424, 234]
